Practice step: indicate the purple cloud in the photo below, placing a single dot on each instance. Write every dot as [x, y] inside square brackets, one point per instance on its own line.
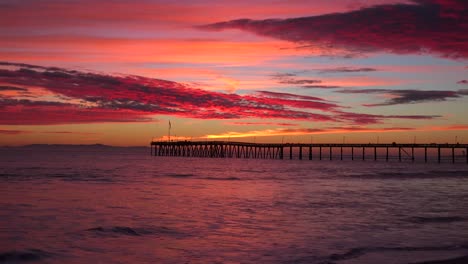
[347, 70]
[408, 96]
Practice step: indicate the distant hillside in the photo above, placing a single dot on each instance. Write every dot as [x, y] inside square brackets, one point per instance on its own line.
[100, 146]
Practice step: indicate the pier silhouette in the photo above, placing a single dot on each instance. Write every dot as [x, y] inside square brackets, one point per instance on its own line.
[318, 151]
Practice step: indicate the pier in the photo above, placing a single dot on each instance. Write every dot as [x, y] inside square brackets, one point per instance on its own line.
[454, 153]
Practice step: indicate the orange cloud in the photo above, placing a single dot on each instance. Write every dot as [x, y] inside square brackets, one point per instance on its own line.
[446, 128]
[305, 131]
[174, 138]
[330, 130]
[143, 50]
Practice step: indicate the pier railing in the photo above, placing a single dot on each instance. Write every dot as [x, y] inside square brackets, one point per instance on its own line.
[229, 149]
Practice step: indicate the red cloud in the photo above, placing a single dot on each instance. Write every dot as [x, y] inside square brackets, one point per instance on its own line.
[89, 97]
[134, 98]
[24, 112]
[69, 132]
[12, 132]
[261, 124]
[428, 26]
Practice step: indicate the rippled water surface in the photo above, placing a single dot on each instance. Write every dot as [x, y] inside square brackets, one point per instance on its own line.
[117, 205]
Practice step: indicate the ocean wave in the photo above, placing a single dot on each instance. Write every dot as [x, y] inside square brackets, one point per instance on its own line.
[452, 173]
[65, 176]
[180, 175]
[459, 260]
[222, 178]
[23, 256]
[252, 171]
[358, 252]
[193, 176]
[412, 175]
[435, 219]
[122, 230]
[8, 175]
[87, 177]
[131, 231]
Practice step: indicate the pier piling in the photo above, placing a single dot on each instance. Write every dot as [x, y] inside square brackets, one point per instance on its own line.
[425, 154]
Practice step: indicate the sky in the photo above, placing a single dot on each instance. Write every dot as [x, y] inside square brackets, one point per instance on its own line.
[322, 71]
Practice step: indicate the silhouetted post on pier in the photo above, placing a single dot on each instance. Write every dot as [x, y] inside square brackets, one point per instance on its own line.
[352, 153]
[300, 152]
[375, 153]
[399, 153]
[425, 154]
[320, 153]
[341, 153]
[453, 155]
[438, 154]
[310, 152]
[363, 153]
[331, 155]
[386, 156]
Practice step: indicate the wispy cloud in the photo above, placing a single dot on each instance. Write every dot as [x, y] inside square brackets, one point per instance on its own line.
[289, 96]
[12, 88]
[292, 79]
[408, 96]
[299, 81]
[17, 132]
[346, 70]
[24, 112]
[367, 119]
[320, 86]
[447, 128]
[260, 124]
[69, 132]
[427, 26]
[12, 132]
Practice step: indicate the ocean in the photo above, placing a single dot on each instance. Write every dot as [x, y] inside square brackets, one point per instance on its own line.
[96, 204]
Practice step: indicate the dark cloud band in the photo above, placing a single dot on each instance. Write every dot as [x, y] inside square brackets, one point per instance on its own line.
[427, 26]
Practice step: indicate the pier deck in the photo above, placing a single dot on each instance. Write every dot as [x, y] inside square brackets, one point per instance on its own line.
[229, 149]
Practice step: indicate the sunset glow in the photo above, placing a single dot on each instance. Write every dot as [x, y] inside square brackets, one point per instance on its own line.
[116, 72]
